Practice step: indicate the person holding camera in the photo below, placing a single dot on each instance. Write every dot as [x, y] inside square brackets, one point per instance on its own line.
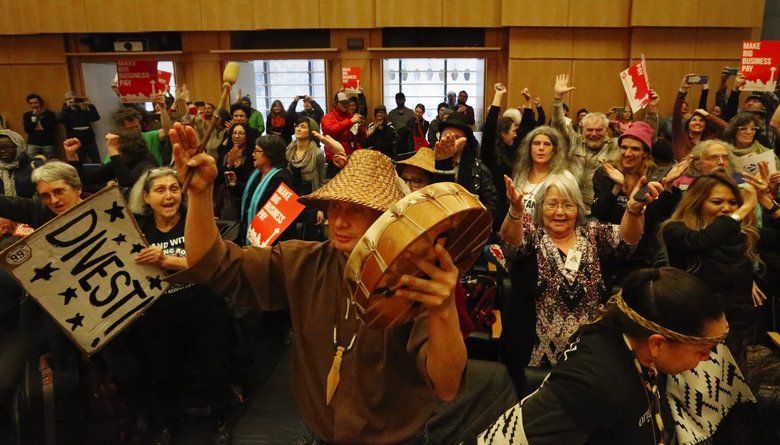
[77, 116]
[40, 125]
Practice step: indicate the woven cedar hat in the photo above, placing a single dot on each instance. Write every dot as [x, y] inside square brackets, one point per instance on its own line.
[424, 159]
[368, 179]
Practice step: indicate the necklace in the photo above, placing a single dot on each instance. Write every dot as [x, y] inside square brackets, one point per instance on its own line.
[334, 375]
[650, 387]
[539, 183]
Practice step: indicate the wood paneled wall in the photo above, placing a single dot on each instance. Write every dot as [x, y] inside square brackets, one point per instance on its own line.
[592, 40]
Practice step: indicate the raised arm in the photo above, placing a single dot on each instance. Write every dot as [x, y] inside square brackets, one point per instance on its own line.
[165, 118]
[200, 230]
[633, 223]
[558, 122]
[512, 227]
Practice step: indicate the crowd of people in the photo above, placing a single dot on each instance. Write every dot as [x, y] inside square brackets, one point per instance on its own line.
[664, 209]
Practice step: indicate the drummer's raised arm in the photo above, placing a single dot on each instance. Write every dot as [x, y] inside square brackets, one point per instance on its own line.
[200, 230]
[512, 227]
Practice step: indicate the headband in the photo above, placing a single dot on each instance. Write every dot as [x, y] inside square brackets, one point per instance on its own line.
[621, 304]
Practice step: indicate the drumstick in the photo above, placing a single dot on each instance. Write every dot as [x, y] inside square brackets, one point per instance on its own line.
[229, 78]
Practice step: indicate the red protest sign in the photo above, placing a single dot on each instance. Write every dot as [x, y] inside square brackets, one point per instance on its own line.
[350, 77]
[637, 85]
[137, 80]
[274, 217]
[760, 62]
[163, 80]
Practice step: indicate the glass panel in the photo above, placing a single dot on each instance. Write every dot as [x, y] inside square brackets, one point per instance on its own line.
[427, 81]
[285, 79]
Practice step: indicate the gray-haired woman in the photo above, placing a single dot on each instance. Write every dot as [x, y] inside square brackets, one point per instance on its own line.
[559, 267]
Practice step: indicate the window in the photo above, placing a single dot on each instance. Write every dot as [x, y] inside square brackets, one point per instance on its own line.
[427, 81]
[285, 79]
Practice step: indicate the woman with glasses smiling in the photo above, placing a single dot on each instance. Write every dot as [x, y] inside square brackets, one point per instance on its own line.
[742, 131]
[560, 266]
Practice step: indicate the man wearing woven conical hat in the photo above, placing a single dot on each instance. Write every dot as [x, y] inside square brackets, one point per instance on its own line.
[353, 384]
[417, 171]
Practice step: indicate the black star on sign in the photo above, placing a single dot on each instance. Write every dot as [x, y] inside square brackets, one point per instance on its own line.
[155, 282]
[95, 341]
[75, 321]
[68, 294]
[137, 248]
[44, 273]
[116, 212]
[119, 239]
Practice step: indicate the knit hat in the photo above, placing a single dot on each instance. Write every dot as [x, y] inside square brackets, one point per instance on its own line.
[640, 131]
[17, 139]
[313, 126]
[423, 159]
[247, 99]
[368, 179]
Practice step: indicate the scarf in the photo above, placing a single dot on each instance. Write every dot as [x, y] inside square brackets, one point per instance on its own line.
[7, 176]
[307, 164]
[7, 168]
[755, 148]
[256, 194]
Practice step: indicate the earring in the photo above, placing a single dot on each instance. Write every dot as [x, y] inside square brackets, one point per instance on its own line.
[652, 372]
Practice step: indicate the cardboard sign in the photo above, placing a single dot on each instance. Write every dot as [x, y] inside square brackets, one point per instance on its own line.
[760, 62]
[80, 267]
[138, 80]
[350, 78]
[749, 162]
[274, 217]
[637, 85]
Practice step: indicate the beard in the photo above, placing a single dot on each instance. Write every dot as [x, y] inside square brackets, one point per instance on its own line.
[594, 145]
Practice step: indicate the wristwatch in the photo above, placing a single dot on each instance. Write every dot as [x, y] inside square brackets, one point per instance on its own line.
[736, 217]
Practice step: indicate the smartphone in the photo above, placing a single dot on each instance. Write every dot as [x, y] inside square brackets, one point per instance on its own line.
[79, 100]
[200, 103]
[620, 109]
[698, 79]
[730, 71]
[655, 176]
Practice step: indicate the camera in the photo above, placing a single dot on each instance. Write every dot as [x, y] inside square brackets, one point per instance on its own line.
[698, 79]
[79, 100]
[730, 71]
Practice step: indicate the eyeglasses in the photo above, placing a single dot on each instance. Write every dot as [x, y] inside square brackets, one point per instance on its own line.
[568, 207]
[414, 182]
[56, 193]
[747, 129]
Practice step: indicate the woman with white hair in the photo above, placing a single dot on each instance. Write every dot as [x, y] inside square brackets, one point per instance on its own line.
[559, 267]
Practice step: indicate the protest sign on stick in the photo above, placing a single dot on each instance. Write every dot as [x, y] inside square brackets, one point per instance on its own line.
[760, 62]
[637, 85]
[350, 79]
[80, 267]
[274, 217]
[137, 80]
